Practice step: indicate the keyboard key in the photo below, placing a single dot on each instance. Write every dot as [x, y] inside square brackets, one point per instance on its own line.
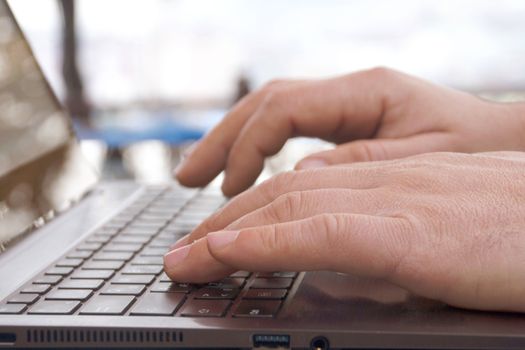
[103, 265]
[89, 246]
[74, 294]
[272, 283]
[11, 309]
[257, 308]
[107, 305]
[146, 226]
[93, 274]
[187, 215]
[54, 307]
[123, 289]
[107, 231]
[241, 274]
[153, 214]
[98, 238]
[123, 247]
[142, 270]
[205, 308]
[123, 256]
[216, 293]
[173, 232]
[189, 223]
[60, 271]
[157, 304]
[131, 239]
[159, 209]
[81, 284]
[278, 274]
[153, 252]
[140, 230]
[133, 279]
[148, 260]
[164, 278]
[227, 283]
[51, 279]
[80, 254]
[164, 287]
[116, 224]
[265, 294]
[70, 262]
[23, 299]
[36, 289]
[161, 243]
[149, 220]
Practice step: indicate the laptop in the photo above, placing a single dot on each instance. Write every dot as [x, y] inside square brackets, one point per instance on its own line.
[82, 267]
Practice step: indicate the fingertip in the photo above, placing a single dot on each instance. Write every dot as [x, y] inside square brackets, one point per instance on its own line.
[187, 177]
[201, 166]
[184, 175]
[229, 189]
[173, 259]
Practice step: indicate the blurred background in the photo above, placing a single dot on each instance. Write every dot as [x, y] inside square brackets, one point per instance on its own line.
[144, 78]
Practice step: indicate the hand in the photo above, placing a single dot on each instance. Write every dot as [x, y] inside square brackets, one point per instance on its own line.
[377, 114]
[446, 226]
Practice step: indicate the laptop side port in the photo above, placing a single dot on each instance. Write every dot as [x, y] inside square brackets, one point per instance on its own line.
[271, 341]
[7, 339]
[319, 343]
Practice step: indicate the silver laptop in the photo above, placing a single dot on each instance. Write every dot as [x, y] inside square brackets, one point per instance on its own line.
[83, 262]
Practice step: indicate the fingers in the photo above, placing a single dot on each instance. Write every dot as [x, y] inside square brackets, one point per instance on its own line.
[300, 205]
[268, 191]
[377, 150]
[334, 109]
[341, 109]
[208, 158]
[351, 243]
[193, 263]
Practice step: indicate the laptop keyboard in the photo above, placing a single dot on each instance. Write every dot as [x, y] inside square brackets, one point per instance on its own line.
[118, 269]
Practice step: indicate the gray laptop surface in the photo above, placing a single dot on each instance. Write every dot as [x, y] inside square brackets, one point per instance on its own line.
[82, 266]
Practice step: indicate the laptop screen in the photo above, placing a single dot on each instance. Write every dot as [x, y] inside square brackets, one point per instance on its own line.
[41, 169]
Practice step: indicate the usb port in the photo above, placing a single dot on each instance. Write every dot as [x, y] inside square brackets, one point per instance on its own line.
[7, 338]
[271, 341]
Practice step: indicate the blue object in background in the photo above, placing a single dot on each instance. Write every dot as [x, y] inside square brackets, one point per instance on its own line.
[124, 128]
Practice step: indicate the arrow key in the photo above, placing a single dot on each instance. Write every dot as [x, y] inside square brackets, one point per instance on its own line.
[205, 308]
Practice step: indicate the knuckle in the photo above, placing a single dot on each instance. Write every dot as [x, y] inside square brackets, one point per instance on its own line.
[367, 151]
[270, 241]
[287, 205]
[277, 185]
[328, 228]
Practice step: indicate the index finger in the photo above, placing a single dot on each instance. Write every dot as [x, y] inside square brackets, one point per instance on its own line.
[209, 156]
[339, 109]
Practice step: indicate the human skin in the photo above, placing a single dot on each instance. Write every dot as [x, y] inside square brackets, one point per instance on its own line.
[447, 226]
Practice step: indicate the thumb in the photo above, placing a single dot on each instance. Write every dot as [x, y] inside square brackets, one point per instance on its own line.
[378, 149]
[350, 243]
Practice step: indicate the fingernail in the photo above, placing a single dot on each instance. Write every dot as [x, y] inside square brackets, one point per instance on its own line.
[176, 256]
[220, 239]
[181, 242]
[312, 163]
